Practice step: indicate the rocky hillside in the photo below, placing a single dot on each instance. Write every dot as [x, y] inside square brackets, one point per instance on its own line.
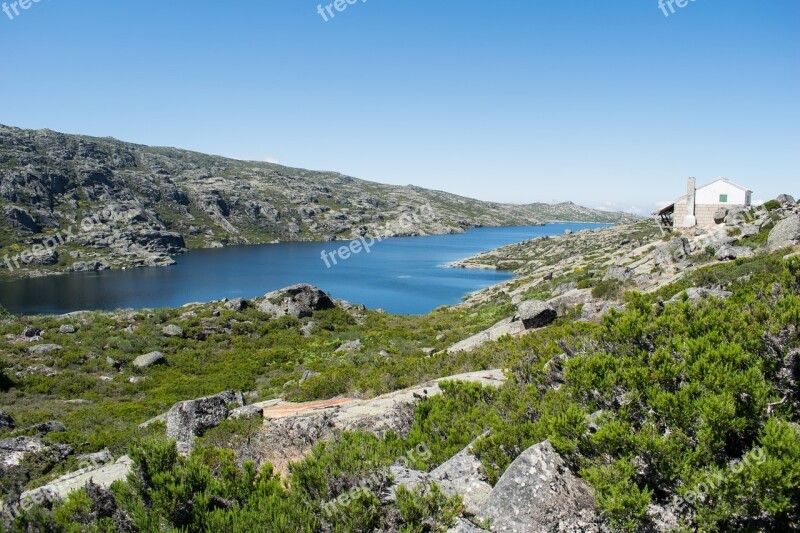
[102, 203]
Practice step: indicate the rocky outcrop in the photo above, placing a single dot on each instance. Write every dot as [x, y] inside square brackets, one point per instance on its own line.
[44, 349]
[618, 273]
[463, 475]
[536, 314]
[785, 233]
[727, 252]
[299, 301]
[539, 493]
[190, 419]
[6, 421]
[696, 294]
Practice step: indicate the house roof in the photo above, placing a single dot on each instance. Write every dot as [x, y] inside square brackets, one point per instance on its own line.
[729, 182]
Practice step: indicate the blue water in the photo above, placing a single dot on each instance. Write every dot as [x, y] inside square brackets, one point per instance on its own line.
[401, 275]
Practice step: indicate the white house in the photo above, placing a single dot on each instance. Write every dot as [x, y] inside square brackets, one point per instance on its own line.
[699, 205]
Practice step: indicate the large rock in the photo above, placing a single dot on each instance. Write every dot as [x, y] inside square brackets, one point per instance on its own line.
[190, 419]
[539, 493]
[696, 294]
[298, 301]
[727, 252]
[44, 349]
[536, 314]
[720, 215]
[785, 233]
[463, 475]
[507, 326]
[172, 331]
[6, 421]
[786, 200]
[619, 273]
[149, 359]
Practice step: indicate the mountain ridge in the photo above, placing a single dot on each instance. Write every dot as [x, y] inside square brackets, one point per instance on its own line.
[161, 201]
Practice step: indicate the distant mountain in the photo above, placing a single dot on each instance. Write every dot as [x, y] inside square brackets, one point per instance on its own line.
[112, 204]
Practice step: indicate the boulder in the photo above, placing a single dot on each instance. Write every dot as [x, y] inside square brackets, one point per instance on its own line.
[463, 475]
[52, 426]
[237, 304]
[751, 230]
[6, 421]
[44, 349]
[539, 493]
[30, 332]
[726, 252]
[720, 215]
[349, 347]
[190, 419]
[786, 200]
[618, 273]
[66, 329]
[14, 451]
[696, 294]
[149, 359]
[564, 288]
[247, 412]
[536, 314]
[785, 233]
[298, 301]
[172, 331]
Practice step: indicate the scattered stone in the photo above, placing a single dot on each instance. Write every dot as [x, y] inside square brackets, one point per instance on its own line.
[136, 379]
[36, 370]
[237, 305]
[113, 363]
[463, 475]
[785, 233]
[349, 347]
[44, 349]
[6, 421]
[299, 301]
[308, 374]
[539, 493]
[536, 314]
[66, 329]
[696, 294]
[727, 252]
[149, 359]
[31, 332]
[52, 426]
[619, 273]
[172, 331]
[190, 419]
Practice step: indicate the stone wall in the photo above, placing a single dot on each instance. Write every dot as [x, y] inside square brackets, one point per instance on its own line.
[705, 214]
[680, 214]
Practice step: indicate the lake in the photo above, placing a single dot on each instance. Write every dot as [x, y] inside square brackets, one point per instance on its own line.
[404, 275]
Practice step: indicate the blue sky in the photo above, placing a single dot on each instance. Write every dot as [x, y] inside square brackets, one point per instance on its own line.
[603, 102]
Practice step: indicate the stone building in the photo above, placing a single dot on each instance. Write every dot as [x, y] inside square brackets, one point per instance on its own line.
[700, 205]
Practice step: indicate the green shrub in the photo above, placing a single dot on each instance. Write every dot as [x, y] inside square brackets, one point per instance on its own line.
[772, 205]
[607, 290]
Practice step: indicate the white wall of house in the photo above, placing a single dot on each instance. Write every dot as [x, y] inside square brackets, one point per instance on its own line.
[714, 193]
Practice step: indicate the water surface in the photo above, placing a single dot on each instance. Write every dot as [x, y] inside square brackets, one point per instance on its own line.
[404, 275]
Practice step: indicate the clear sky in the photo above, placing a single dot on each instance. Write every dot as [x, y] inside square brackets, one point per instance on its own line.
[603, 102]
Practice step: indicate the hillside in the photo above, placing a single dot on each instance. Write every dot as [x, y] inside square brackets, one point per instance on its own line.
[625, 381]
[111, 204]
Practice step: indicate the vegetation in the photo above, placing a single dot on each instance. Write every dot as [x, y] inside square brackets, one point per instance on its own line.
[692, 406]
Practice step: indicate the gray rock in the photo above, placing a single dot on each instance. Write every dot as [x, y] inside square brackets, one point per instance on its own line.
[52, 426]
[696, 294]
[536, 314]
[44, 349]
[94, 459]
[564, 288]
[539, 493]
[15, 451]
[89, 266]
[190, 419]
[31, 332]
[298, 301]
[750, 230]
[349, 347]
[149, 359]
[720, 215]
[237, 305]
[6, 421]
[726, 252]
[619, 273]
[172, 331]
[113, 363]
[465, 526]
[463, 475]
[308, 329]
[308, 374]
[248, 412]
[66, 329]
[786, 200]
[785, 233]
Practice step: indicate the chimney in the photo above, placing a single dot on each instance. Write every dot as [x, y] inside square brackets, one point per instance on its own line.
[691, 191]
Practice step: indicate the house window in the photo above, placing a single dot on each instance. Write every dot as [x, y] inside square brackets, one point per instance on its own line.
[723, 198]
